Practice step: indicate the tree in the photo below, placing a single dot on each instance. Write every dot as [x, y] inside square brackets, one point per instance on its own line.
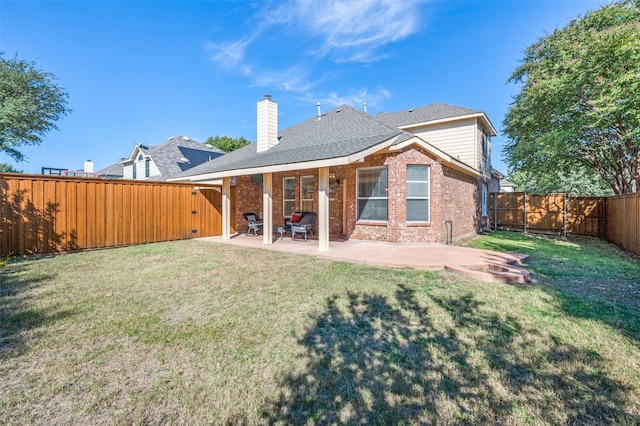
[577, 184]
[30, 103]
[8, 168]
[226, 143]
[578, 110]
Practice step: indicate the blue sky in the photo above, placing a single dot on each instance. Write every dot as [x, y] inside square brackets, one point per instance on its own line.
[147, 70]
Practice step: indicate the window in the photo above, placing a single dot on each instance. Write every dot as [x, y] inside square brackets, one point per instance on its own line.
[147, 166]
[485, 196]
[135, 167]
[306, 193]
[289, 196]
[372, 193]
[332, 195]
[417, 193]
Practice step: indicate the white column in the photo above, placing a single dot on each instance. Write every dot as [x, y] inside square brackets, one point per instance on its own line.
[323, 209]
[267, 208]
[226, 208]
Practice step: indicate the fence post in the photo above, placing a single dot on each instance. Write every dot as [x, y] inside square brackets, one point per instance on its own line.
[495, 211]
[525, 212]
[564, 215]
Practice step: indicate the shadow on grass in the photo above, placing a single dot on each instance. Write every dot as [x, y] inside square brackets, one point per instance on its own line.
[18, 314]
[374, 360]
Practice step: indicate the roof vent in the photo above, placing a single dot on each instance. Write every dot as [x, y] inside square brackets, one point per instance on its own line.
[319, 110]
[412, 109]
[183, 160]
[364, 107]
[186, 138]
[172, 138]
[339, 110]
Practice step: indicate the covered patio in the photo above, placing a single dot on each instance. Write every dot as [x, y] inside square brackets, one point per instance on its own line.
[484, 265]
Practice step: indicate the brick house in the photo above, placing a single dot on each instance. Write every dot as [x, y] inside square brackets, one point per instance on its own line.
[419, 175]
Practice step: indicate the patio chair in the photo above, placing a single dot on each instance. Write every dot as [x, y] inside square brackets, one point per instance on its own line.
[304, 226]
[254, 224]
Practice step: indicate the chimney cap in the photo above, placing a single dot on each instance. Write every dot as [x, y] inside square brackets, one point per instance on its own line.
[266, 96]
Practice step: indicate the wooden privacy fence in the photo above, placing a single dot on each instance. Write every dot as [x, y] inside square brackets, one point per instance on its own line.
[45, 214]
[616, 218]
[623, 221]
[548, 214]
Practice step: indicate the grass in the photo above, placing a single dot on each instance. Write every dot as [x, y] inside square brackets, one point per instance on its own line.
[195, 333]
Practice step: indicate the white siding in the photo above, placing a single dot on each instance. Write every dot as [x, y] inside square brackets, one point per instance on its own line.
[127, 171]
[153, 169]
[456, 139]
[484, 161]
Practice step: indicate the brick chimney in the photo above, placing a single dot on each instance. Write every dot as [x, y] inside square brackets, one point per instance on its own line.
[267, 124]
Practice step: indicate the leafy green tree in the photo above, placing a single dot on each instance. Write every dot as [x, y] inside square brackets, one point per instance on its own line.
[8, 168]
[578, 110]
[226, 143]
[580, 183]
[30, 103]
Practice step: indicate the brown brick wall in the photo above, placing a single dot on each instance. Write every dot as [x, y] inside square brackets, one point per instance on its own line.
[455, 197]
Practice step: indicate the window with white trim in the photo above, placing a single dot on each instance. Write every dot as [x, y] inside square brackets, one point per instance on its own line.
[418, 193]
[372, 193]
[288, 196]
[147, 168]
[307, 188]
[332, 195]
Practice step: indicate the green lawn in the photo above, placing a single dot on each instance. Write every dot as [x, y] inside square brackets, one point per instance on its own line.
[195, 333]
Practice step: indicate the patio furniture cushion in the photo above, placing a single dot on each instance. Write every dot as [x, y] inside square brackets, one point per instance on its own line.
[304, 226]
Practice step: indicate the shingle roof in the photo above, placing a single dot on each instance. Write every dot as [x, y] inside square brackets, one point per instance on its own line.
[338, 133]
[178, 154]
[341, 132]
[112, 170]
[423, 114]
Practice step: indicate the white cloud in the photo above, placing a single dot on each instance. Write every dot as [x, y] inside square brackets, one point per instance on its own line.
[354, 98]
[229, 55]
[293, 79]
[351, 30]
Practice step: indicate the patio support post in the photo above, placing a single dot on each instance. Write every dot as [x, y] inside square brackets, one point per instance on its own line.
[323, 209]
[267, 208]
[226, 208]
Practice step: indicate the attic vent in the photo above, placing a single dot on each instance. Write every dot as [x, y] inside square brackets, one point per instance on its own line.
[186, 138]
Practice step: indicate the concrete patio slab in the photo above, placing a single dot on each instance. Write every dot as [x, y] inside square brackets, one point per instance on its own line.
[485, 265]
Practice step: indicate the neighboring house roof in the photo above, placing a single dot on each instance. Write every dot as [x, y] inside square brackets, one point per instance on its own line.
[506, 186]
[340, 136]
[113, 170]
[176, 155]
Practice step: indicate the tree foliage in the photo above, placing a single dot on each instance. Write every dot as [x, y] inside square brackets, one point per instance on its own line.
[580, 183]
[8, 168]
[578, 110]
[226, 143]
[30, 103]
